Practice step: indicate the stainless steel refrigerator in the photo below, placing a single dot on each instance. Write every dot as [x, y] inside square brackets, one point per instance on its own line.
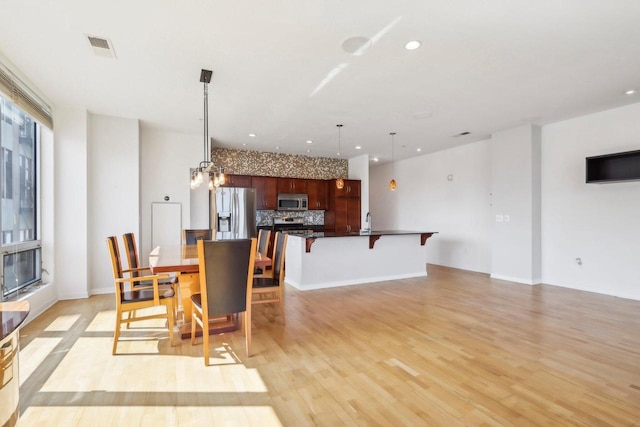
[234, 213]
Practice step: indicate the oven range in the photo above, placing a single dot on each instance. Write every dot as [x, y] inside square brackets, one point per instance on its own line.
[292, 225]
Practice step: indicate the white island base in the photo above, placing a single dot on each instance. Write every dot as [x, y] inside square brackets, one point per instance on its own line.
[347, 260]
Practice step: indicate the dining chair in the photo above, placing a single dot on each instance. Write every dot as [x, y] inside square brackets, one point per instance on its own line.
[136, 293]
[226, 276]
[131, 250]
[270, 289]
[264, 242]
[191, 236]
[134, 270]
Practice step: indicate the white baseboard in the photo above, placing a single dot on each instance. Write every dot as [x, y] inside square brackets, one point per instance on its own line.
[515, 279]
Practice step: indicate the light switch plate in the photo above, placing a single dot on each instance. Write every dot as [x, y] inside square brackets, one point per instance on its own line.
[499, 218]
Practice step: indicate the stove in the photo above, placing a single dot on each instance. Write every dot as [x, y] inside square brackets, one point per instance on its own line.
[291, 225]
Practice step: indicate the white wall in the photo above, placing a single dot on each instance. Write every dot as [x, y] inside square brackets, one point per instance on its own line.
[427, 201]
[599, 223]
[70, 214]
[359, 169]
[113, 195]
[515, 184]
[165, 159]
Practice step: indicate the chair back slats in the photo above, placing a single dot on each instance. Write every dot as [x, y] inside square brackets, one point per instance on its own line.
[112, 242]
[224, 269]
[191, 237]
[263, 241]
[278, 255]
[132, 252]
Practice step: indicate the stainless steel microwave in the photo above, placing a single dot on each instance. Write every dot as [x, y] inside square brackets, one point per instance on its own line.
[292, 202]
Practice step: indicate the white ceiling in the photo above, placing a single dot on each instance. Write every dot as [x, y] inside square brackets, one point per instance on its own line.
[280, 70]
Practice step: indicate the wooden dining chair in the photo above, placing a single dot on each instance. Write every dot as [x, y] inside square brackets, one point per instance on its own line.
[131, 250]
[226, 276]
[264, 242]
[191, 236]
[270, 289]
[136, 293]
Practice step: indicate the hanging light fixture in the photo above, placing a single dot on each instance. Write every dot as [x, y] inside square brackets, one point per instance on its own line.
[392, 183]
[206, 167]
[339, 181]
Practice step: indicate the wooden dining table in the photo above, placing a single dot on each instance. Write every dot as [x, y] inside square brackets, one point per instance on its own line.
[183, 261]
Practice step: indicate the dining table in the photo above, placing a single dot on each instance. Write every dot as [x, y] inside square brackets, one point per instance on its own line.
[182, 260]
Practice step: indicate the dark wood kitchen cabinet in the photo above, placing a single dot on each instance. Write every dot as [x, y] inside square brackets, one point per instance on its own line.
[266, 192]
[351, 188]
[237, 181]
[318, 191]
[292, 185]
[344, 213]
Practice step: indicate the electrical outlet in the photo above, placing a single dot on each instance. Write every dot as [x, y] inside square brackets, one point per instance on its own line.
[506, 218]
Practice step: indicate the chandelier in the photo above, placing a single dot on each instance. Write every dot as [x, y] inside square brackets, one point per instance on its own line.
[206, 168]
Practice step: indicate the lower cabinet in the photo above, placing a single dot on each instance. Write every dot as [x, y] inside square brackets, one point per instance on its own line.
[347, 214]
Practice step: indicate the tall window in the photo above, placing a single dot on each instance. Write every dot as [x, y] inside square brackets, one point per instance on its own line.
[20, 245]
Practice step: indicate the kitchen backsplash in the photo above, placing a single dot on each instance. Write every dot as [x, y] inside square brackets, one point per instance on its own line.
[245, 162]
[310, 217]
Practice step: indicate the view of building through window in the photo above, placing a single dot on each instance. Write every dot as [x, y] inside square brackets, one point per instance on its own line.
[20, 247]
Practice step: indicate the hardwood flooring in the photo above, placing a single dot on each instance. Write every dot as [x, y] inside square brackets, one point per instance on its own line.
[454, 348]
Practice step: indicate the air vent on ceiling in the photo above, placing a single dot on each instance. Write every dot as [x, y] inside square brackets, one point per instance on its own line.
[462, 134]
[101, 46]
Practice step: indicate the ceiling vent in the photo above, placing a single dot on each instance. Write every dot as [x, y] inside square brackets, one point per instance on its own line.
[462, 134]
[101, 46]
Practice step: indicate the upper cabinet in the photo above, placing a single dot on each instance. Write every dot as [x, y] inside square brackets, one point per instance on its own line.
[318, 191]
[266, 192]
[237, 181]
[292, 185]
[351, 188]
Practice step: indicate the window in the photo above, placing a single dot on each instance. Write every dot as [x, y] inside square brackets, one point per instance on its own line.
[20, 245]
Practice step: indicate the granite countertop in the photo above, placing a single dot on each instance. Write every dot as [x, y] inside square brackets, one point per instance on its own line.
[322, 234]
[12, 314]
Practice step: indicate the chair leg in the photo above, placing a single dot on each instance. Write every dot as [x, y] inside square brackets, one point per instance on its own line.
[284, 322]
[247, 329]
[116, 334]
[171, 320]
[193, 326]
[205, 338]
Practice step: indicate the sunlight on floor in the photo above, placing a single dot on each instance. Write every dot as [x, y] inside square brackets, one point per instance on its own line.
[89, 366]
[103, 322]
[152, 416]
[33, 354]
[62, 323]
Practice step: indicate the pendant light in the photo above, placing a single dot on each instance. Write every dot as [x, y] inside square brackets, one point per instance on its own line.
[339, 181]
[392, 183]
[206, 167]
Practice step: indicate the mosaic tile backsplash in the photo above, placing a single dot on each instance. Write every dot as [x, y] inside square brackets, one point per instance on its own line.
[310, 217]
[245, 162]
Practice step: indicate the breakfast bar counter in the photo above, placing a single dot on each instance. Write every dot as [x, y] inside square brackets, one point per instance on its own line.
[327, 259]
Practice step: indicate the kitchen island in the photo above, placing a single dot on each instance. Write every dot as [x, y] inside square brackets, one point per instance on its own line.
[329, 259]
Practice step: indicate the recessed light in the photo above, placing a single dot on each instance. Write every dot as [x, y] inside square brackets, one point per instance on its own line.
[419, 149]
[358, 147]
[375, 159]
[244, 144]
[412, 45]
[630, 92]
[309, 141]
[308, 151]
[252, 135]
[277, 148]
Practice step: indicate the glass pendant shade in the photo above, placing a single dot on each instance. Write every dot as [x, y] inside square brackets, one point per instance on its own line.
[339, 181]
[392, 183]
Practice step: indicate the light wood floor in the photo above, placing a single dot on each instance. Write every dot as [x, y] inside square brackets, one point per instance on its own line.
[455, 348]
